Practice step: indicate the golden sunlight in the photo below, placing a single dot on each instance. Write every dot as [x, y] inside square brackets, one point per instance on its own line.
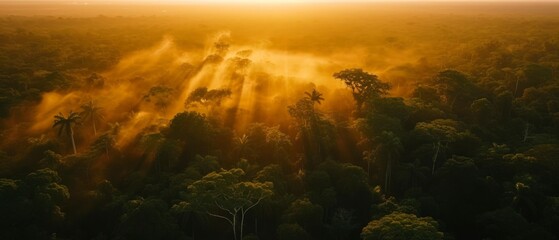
[279, 119]
[292, 1]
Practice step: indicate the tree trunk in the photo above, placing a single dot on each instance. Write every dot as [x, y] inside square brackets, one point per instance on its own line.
[452, 103]
[107, 152]
[315, 136]
[94, 128]
[73, 142]
[435, 156]
[526, 131]
[235, 226]
[242, 223]
[369, 169]
[516, 86]
[388, 174]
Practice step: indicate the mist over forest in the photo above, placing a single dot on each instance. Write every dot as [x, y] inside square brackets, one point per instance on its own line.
[286, 121]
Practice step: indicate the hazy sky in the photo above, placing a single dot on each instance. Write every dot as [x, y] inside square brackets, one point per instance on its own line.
[86, 2]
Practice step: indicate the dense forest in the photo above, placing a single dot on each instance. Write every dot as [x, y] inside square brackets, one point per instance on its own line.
[293, 122]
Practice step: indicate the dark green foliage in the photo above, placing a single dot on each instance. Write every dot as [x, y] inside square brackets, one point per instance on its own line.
[224, 195]
[159, 96]
[204, 96]
[194, 132]
[274, 174]
[316, 132]
[481, 111]
[533, 75]
[32, 207]
[456, 90]
[291, 232]
[507, 224]
[462, 193]
[465, 141]
[396, 226]
[264, 145]
[147, 219]
[305, 214]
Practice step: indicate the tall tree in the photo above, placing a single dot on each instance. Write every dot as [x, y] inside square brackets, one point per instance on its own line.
[194, 131]
[106, 140]
[315, 130]
[364, 86]
[455, 89]
[223, 195]
[92, 113]
[66, 125]
[389, 145]
[315, 96]
[369, 157]
[440, 133]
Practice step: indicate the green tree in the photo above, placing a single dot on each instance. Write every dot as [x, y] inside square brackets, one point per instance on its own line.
[505, 223]
[481, 110]
[441, 132]
[32, 208]
[503, 105]
[388, 145]
[106, 141]
[363, 85]
[151, 144]
[305, 214]
[462, 193]
[400, 226]
[291, 231]
[51, 160]
[262, 144]
[369, 157]
[426, 94]
[342, 223]
[161, 96]
[350, 187]
[206, 97]
[66, 125]
[315, 131]
[531, 75]
[455, 89]
[224, 195]
[274, 174]
[147, 219]
[416, 173]
[194, 131]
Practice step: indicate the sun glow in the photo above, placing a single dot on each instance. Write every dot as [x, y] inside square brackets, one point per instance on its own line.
[275, 2]
[262, 81]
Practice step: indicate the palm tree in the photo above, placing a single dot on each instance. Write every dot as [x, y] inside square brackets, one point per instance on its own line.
[93, 113]
[106, 140]
[66, 124]
[389, 144]
[315, 96]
